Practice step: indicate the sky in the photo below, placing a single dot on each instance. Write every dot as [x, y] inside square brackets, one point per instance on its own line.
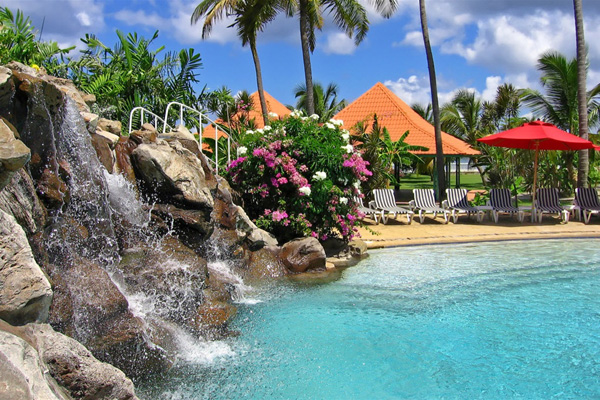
[477, 44]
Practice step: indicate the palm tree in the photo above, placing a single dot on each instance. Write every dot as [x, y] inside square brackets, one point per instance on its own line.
[424, 111]
[349, 15]
[326, 101]
[560, 104]
[251, 17]
[584, 161]
[439, 150]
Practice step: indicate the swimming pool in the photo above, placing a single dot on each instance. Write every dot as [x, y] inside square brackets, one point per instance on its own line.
[463, 321]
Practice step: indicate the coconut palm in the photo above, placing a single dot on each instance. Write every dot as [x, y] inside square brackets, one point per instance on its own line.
[439, 150]
[584, 162]
[424, 111]
[251, 16]
[559, 105]
[348, 15]
[326, 101]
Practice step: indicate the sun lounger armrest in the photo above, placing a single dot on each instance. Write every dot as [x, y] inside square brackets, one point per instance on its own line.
[372, 204]
[445, 205]
[412, 205]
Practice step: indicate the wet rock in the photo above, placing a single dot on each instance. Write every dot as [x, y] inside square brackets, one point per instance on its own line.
[25, 293]
[264, 263]
[53, 191]
[172, 173]
[89, 99]
[304, 254]
[103, 150]
[349, 254]
[20, 200]
[91, 121]
[51, 358]
[193, 226]
[257, 238]
[123, 149]
[111, 138]
[213, 317]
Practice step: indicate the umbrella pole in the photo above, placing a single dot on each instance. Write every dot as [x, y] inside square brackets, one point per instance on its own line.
[535, 167]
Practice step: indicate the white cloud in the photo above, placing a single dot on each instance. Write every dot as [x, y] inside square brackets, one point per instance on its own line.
[140, 17]
[416, 89]
[339, 43]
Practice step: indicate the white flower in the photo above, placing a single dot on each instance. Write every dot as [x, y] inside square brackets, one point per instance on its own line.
[343, 200]
[346, 137]
[249, 132]
[261, 131]
[356, 184]
[242, 150]
[273, 115]
[267, 128]
[329, 125]
[304, 118]
[349, 148]
[319, 176]
[337, 122]
[296, 113]
[305, 190]
[314, 116]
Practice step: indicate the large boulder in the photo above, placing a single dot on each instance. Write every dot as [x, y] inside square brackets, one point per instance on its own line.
[46, 358]
[172, 172]
[183, 136]
[303, 254]
[13, 154]
[25, 293]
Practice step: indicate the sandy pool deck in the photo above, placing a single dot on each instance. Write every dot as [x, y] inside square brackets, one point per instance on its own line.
[399, 233]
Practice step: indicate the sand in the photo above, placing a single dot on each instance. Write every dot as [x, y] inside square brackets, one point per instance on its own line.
[398, 233]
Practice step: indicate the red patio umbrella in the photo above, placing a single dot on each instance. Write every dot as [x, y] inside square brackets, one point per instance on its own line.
[537, 135]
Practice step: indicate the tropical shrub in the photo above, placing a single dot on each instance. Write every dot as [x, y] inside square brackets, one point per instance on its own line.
[298, 178]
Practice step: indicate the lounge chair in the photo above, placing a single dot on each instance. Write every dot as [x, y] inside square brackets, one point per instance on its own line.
[501, 202]
[384, 201]
[547, 202]
[586, 203]
[371, 212]
[457, 203]
[424, 202]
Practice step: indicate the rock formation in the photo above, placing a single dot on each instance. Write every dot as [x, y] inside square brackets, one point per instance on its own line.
[96, 217]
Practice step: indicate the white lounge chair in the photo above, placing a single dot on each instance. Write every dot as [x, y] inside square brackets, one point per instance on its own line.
[457, 202]
[424, 202]
[548, 202]
[384, 200]
[371, 212]
[501, 202]
[586, 203]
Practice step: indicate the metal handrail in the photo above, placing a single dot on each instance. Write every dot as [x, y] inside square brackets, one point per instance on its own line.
[144, 111]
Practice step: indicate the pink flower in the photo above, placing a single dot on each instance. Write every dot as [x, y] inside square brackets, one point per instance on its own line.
[278, 215]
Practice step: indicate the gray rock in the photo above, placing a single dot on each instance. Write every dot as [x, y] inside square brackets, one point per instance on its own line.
[23, 375]
[304, 254]
[13, 154]
[257, 238]
[183, 136]
[91, 121]
[25, 293]
[54, 364]
[173, 172]
[110, 137]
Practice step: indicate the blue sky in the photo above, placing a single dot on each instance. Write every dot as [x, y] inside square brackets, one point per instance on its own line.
[477, 44]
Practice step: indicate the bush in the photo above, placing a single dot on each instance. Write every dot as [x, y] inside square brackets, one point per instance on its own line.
[298, 178]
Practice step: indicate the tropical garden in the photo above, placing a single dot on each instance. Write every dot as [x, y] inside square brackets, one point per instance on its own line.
[299, 175]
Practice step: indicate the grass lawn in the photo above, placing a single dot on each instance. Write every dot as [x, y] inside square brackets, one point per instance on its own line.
[415, 181]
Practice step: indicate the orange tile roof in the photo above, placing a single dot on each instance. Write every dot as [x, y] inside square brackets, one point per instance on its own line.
[398, 117]
[255, 113]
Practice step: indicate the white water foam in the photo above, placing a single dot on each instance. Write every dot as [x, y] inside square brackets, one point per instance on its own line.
[225, 271]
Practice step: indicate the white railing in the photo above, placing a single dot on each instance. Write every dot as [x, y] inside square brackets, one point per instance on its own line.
[201, 118]
[143, 112]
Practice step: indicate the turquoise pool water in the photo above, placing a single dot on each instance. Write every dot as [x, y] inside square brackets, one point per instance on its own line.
[492, 321]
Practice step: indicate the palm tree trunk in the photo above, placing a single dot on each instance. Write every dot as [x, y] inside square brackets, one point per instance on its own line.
[439, 151]
[259, 83]
[584, 162]
[304, 26]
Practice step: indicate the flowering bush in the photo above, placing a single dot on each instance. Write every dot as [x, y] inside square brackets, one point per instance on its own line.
[298, 178]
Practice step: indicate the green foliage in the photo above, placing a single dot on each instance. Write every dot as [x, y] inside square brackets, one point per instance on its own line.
[297, 178]
[18, 43]
[131, 74]
[326, 102]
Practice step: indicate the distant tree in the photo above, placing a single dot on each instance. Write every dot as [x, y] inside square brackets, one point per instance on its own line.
[251, 16]
[326, 101]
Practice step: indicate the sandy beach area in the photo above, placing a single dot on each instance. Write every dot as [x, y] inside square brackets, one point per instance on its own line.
[399, 233]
